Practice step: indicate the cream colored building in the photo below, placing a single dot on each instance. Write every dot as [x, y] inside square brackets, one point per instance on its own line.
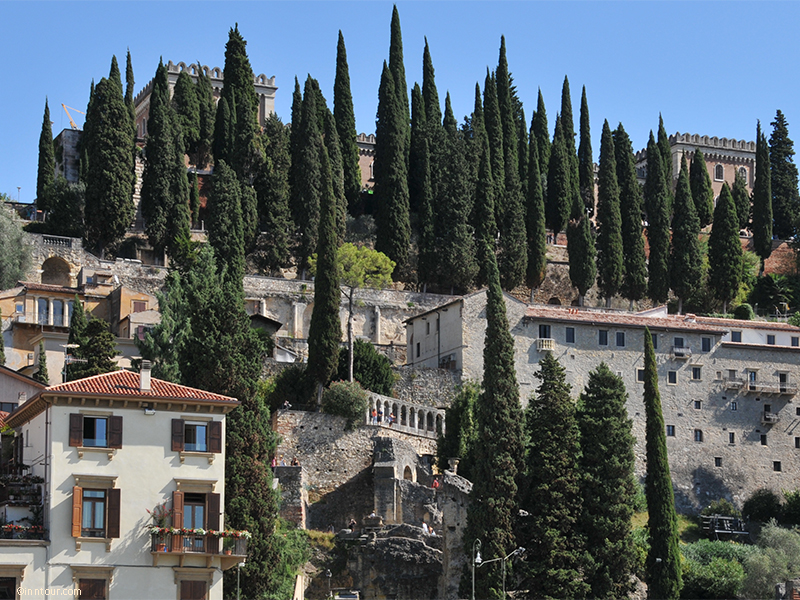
[102, 452]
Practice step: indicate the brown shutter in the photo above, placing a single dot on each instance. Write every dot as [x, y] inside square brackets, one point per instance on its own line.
[177, 435]
[215, 436]
[115, 432]
[76, 429]
[212, 522]
[112, 526]
[177, 518]
[19, 444]
[77, 510]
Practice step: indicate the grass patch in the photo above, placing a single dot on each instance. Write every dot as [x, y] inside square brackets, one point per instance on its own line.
[320, 539]
[688, 529]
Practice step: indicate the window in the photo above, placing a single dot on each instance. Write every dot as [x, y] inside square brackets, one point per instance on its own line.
[783, 379]
[776, 465]
[93, 523]
[719, 173]
[698, 435]
[734, 406]
[795, 341]
[797, 442]
[717, 461]
[95, 511]
[698, 404]
[763, 439]
[94, 589]
[752, 379]
[95, 431]
[195, 436]
[706, 344]
[767, 408]
[544, 332]
[797, 411]
[671, 430]
[731, 438]
[193, 590]
[58, 314]
[602, 337]
[654, 337]
[427, 327]
[417, 349]
[743, 174]
[195, 510]
[139, 306]
[736, 336]
[570, 335]
[696, 372]
[639, 374]
[731, 373]
[194, 517]
[672, 377]
[42, 312]
[620, 339]
[677, 342]
[770, 339]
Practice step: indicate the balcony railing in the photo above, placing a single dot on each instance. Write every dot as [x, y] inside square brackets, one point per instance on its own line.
[54, 240]
[41, 318]
[734, 384]
[22, 532]
[768, 418]
[789, 389]
[169, 543]
[545, 344]
[681, 352]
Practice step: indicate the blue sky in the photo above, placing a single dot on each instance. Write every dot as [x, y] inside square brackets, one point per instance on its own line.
[711, 68]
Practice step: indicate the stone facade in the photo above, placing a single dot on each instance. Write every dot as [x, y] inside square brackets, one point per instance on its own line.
[366, 157]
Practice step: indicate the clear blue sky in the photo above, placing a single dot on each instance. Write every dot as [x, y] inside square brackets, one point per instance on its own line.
[711, 68]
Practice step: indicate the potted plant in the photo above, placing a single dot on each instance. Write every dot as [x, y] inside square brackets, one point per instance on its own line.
[228, 544]
[160, 515]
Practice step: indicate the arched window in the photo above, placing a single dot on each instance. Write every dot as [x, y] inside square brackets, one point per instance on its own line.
[698, 435]
[743, 174]
[719, 173]
[407, 474]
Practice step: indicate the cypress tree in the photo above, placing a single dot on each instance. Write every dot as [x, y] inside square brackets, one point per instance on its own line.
[474, 133]
[187, 112]
[225, 230]
[663, 563]
[109, 185]
[346, 125]
[418, 137]
[498, 462]
[607, 484]
[741, 200]
[568, 126]
[610, 266]
[724, 250]
[522, 145]
[666, 161]
[391, 176]
[581, 250]
[428, 262]
[207, 109]
[585, 162]
[129, 91]
[655, 202]
[334, 149]
[783, 179]
[702, 193]
[98, 351]
[484, 223]
[762, 199]
[238, 72]
[2, 345]
[559, 186]
[461, 436]
[686, 266]
[634, 284]
[222, 143]
[47, 161]
[494, 129]
[398, 71]
[541, 134]
[552, 494]
[430, 95]
[194, 198]
[534, 214]
[77, 336]
[41, 374]
[86, 139]
[449, 123]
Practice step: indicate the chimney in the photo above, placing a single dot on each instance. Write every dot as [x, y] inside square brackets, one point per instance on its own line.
[144, 376]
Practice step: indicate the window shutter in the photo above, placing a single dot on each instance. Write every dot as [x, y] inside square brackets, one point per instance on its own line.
[177, 517]
[76, 429]
[112, 527]
[115, 432]
[19, 444]
[77, 510]
[213, 521]
[177, 435]
[215, 436]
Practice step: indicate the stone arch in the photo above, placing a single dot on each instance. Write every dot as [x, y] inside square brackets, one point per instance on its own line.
[439, 424]
[430, 422]
[216, 73]
[403, 415]
[412, 421]
[555, 301]
[407, 474]
[56, 271]
[420, 420]
[395, 411]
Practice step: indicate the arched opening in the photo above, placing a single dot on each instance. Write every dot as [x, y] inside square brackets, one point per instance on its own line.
[421, 420]
[555, 301]
[403, 416]
[439, 424]
[55, 271]
[430, 422]
[394, 412]
[719, 173]
[407, 475]
[411, 418]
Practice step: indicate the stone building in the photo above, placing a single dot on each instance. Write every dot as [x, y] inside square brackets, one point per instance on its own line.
[366, 158]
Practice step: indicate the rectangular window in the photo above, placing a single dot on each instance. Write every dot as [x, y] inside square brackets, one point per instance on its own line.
[93, 589]
[734, 406]
[620, 339]
[763, 439]
[672, 377]
[783, 379]
[671, 430]
[797, 411]
[654, 337]
[736, 336]
[717, 461]
[639, 374]
[731, 438]
[797, 442]
[770, 339]
[698, 404]
[696, 371]
[93, 523]
[139, 306]
[767, 408]
[706, 344]
[678, 342]
[427, 327]
[795, 341]
[698, 435]
[195, 437]
[544, 332]
[417, 349]
[95, 431]
[570, 335]
[193, 590]
[752, 379]
[602, 337]
[731, 373]
[192, 436]
[776, 465]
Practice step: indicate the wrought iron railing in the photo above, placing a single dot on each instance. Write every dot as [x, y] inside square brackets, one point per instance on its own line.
[208, 543]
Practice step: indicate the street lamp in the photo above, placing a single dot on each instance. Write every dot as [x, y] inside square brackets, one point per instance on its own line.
[328, 574]
[477, 561]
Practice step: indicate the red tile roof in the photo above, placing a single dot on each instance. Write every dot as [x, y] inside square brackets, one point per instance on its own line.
[46, 287]
[671, 322]
[3, 416]
[126, 383]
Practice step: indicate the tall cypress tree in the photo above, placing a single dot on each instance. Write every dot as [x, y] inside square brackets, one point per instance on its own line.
[98, 351]
[430, 95]
[585, 162]
[225, 229]
[610, 266]
[77, 338]
[129, 90]
[581, 250]
[416, 174]
[346, 125]
[541, 134]
[187, 112]
[741, 200]
[334, 149]
[702, 193]
[724, 249]
[663, 563]
[47, 161]
[428, 261]
[222, 144]
[568, 126]
[666, 161]
[552, 495]
[2, 345]
[207, 108]
[785, 197]
[762, 199]
[655, 202]
[449, 123]
[559, 186]
[494, 131]
[41, 374]
[534, 214]
[493, 508]
[608, 486]
[634, 284]
[686, 260]
[398, 70]
[483, 211]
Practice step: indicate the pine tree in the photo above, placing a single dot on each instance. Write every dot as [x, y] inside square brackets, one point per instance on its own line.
[663, 563]
[686, 261]
[610, 265]
[398, 71]
[724, 249]
[702, 193]
[608, 486]
[208, 109]
[334, 149]
[537, 234]
[541, 135]
[391, 175]
[98, 351]
[655, 202]
[498, 462]
[346, 125]
[762, 199]
[47, 162]
[634, 284]
[225, 230]
[785, 197]
[552, 493]
[109, 185]
[187, 112]
[559, 185]
[41, 374]
[741, 200]
[585, 162]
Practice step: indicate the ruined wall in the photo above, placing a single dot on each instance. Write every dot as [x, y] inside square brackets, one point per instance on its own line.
[429, 387]
[294, 495]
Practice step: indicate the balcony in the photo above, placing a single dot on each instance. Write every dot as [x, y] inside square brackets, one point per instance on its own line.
[545, 344]
[20, 490]
[768, 418]
[733, 383]
[234, 550]
[22, 532]
[681, 352]
[787, 389]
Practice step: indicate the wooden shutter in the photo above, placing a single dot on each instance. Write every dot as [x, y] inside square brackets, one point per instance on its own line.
[212, 521]
[19, 445]
[77, 510]
[193, 590]
[177, 518]
[177, 435]
[215, 436]
[112, 523]
[115, 432]
[76, 429]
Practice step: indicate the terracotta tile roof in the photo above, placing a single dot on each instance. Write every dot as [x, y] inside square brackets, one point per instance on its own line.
[46, 287]
[3, 416]
[672, 322]
[739, 324]
[126, 383]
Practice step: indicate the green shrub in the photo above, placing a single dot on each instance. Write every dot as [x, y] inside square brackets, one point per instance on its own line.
[640, 537]
[720, 578]
[704, 551]
[744, 311]
[791, 508]
[370, 368]
[294, 386]
[346, 399]
[721, 507]
[762, 506]
[777, 559]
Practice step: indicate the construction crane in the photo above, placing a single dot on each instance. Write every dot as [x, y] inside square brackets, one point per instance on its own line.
[69, 116]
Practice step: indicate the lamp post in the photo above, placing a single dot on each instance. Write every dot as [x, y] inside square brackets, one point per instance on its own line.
[476, 560]
[328, 574]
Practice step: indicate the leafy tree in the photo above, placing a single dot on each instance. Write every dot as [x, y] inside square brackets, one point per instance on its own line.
[663, 559]
[702, 193]
[47, 161]
[187, 111]
[41, 374]
[15, 259]
[634, 283]
[225, 233]
[608, 486]
[741, 200]
[371, 369]
[686, 261]
[783, 176]
[559, 186]
[609, 238]
[656, 199]
[97, 352]
[346, 125]
[715, 578]
[552, 496]
[585, 162]
[460, 440]
[724, 250]
[541, 135]
[498, 461]
[535, 227]
[791, 508]
[346, 399]
[763, 505]
[777, 561]
[762, 199]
